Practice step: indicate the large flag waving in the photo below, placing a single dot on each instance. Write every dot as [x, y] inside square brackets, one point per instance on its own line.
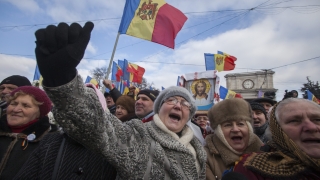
[219, 62]
[152, 20]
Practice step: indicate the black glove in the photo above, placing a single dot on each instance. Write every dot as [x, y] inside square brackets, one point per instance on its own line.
[59, 50]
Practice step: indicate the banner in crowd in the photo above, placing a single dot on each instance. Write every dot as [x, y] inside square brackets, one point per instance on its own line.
[155, 21]
[203, 86]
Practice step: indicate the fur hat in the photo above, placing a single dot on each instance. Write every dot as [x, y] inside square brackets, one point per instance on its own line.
[39, 95]
[175, 91]
[152, 94]
[258, 106]
[127, 102]
[229, 110]
[16, 80]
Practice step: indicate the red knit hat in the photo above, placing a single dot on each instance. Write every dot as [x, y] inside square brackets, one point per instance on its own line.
[39, 96]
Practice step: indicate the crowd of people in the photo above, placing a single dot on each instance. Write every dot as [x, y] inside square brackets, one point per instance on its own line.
[148, 135]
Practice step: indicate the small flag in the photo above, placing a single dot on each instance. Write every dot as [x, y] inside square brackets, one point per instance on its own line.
[312, 97]
[219, 62]
[37, 76]
[180, 81]
[136, 71]
[152, 20]
[162, 88]
[260, 94]
[92, 81]
[228, 94]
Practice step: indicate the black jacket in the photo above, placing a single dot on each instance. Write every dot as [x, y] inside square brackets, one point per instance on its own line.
[76, 161]
[15, 148]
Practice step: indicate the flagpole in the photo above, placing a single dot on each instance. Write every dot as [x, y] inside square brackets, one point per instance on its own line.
[114, 50]
[111, 60]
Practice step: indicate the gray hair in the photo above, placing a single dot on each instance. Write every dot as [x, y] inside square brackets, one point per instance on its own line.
[285, 102]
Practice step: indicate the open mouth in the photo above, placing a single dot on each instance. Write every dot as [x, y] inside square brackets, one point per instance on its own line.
[236, 138]
[311, 140]
[175, 116]
[256, 123]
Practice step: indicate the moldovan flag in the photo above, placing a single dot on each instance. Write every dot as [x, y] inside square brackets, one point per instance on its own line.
[312, 97]
[92, 81]
[136, 71]
[224, 93]
[218, 62]
[152, 20]
[228, 56]
[37, 76]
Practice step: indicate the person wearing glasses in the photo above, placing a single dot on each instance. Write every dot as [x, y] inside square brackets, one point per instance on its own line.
[164, 148]
[202, 120]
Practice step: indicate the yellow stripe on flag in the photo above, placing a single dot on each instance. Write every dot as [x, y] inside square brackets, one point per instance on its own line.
[144, 28]
[231, 94]
[219, 62]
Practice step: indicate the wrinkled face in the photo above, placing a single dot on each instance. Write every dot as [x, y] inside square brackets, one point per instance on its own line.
[109, 101]
[202, 121]
[301, 122]
[174, 115]
[266, 106]
[143, 106]
[259, 118]
[237, 134]
[200, 88]
[22, 110]
[6, 89]
[121, 111]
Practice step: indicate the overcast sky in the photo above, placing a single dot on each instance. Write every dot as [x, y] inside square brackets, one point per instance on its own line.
[273, 33]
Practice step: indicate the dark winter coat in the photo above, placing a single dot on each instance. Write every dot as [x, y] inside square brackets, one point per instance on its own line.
[15, 148]
[76, 161]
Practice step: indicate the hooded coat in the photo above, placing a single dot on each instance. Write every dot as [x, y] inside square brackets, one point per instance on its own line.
[137, 150]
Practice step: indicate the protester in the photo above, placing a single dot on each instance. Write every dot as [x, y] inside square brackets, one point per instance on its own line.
[131, 92]
[60, 157]
[164, 148]
[233, 136]
[294, 152]
[144, 104]
[22, 128]
[9, 84]
[266, 102]
[111, 96]
[260, 121]
[202, 119]
[294, 93]
[125, 108]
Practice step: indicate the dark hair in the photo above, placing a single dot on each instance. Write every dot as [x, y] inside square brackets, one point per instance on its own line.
[287, 95]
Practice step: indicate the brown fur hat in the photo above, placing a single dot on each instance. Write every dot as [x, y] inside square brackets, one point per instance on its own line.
[127, 102]
[229, 110]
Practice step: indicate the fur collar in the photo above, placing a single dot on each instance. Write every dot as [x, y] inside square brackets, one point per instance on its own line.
[217, 147]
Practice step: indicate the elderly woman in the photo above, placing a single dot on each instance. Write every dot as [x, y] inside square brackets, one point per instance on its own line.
[233, 136]
[125, 108]
[22, 128]
[294, 151]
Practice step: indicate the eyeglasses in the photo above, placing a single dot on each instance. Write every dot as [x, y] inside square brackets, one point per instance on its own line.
[174, 101]
[204, 118]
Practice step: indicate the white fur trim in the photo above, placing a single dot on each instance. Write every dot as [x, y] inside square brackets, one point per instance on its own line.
[186, 137]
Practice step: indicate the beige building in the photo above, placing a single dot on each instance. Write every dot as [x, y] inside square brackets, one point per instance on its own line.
[248, 84]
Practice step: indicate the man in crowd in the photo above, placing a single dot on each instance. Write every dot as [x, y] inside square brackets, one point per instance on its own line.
[8, 85]
[260, 121]
[144, 104]
[267, 101]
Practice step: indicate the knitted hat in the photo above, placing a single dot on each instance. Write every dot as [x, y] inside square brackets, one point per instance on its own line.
[152, 94]
[39, 95]
[258, 106]
[174, 91]
[106, 94]
[229, 110]
[127, 102]
[16, 80]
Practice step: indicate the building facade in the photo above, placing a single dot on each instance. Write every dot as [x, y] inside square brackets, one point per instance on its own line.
[248, 84]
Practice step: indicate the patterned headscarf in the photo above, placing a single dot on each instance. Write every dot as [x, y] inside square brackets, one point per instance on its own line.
[288, 160]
